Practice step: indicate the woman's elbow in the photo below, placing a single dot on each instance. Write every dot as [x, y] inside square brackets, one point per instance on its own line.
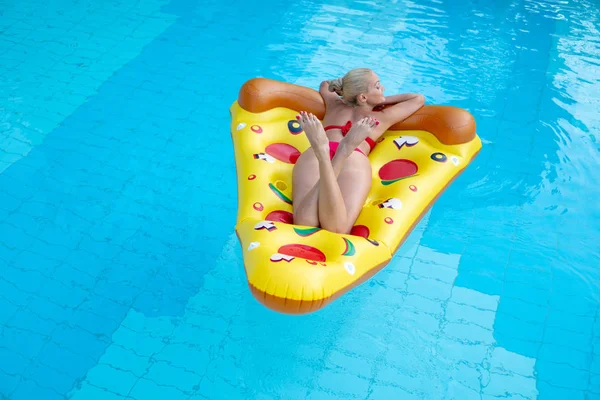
[416, 102]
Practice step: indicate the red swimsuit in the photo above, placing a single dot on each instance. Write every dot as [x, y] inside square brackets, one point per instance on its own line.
[345, 128]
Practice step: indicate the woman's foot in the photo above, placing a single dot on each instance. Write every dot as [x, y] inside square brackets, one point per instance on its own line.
[358, 133]
[315, 133]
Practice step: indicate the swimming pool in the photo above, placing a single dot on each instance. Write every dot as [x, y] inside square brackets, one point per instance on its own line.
[121, 276]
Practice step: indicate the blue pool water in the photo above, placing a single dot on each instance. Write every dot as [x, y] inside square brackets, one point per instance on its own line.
[120, 273]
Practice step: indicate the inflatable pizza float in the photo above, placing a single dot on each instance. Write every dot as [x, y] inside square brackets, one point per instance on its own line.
[298, 269]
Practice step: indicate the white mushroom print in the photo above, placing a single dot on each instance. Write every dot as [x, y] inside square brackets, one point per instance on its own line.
[265, 157]
[268, 225]
[278, 257]
[393, 203]
[408, 141]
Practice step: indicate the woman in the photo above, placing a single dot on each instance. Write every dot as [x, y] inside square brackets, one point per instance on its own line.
[332, 179]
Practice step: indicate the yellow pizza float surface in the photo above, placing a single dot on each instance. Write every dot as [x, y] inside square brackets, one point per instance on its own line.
[298, 269]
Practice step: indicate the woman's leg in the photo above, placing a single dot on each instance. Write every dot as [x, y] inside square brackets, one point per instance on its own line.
[355, 182]
[305, 187]
[326, 197]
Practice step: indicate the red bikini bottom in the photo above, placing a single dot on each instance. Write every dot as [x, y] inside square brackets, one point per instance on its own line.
[333, 146]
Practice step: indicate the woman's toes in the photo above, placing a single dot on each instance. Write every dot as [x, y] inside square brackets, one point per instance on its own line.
[303, 117]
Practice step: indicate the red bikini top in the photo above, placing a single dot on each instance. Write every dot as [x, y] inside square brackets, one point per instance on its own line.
[346, 128]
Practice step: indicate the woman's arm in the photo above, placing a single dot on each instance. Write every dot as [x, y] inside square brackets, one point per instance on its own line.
[326, 94]
[399, 98]
[401, 109]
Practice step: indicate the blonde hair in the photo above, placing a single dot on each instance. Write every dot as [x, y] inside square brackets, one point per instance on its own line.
[354, 83]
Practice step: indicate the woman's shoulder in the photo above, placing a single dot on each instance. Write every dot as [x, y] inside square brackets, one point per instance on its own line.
[337, 108]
